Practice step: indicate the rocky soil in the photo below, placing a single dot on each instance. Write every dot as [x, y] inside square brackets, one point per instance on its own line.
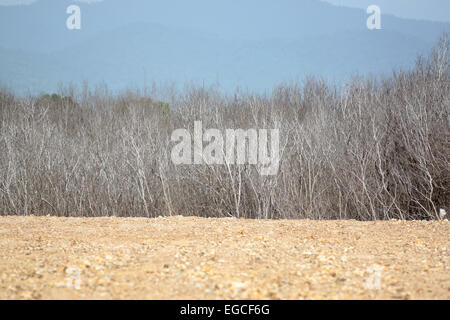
[195, 258]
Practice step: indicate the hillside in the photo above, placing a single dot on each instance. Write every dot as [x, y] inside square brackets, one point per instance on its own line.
[255, 45]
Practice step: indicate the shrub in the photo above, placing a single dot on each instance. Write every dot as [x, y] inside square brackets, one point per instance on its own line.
[376, 149]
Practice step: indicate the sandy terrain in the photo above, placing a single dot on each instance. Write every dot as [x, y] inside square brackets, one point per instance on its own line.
[193, 258]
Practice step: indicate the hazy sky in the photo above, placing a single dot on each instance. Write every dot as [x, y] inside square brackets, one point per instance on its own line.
[435, 10]
[19, 2]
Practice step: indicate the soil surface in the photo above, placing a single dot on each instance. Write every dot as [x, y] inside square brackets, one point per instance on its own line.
[195, 258]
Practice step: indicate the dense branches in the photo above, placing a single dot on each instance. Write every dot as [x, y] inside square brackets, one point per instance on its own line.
[376, 149]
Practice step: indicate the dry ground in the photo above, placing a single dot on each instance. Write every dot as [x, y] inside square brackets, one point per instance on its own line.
[194, 258]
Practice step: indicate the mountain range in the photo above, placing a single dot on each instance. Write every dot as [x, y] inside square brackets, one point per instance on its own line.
[253, 44]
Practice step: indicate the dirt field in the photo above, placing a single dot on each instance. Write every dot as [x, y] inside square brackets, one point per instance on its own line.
[193, 258]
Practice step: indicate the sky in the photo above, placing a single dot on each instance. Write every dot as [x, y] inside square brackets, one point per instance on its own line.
[24, 2]
[434, 10]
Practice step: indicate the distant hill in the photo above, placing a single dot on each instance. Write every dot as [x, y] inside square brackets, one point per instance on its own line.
[248, 43]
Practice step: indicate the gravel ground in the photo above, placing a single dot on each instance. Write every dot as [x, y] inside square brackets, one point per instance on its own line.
[195, 258]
